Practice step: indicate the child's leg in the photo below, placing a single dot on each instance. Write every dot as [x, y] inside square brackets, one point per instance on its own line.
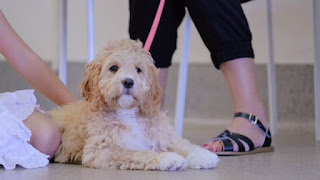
[46, 135]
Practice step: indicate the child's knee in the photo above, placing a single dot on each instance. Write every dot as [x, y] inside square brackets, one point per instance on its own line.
[48, 139]
[46, 135]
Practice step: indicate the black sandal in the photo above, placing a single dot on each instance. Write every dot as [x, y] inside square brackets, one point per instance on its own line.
[227, 137]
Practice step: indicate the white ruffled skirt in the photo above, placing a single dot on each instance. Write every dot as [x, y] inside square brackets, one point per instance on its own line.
[15, 107]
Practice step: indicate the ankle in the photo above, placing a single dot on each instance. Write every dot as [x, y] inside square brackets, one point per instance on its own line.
[254, 109]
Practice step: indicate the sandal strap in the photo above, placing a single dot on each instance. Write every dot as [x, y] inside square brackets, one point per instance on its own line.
[226, 142]
[230, 135]
[254, 120]
[244, 139]
[267, 140]
[227, 137]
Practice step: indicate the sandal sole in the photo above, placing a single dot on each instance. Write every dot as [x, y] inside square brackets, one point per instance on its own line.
[257, 150]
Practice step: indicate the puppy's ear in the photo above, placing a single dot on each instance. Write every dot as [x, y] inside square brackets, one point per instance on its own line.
[89, 86]
[152, 102]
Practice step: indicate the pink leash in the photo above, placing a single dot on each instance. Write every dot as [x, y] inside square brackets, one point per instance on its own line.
[154, 26]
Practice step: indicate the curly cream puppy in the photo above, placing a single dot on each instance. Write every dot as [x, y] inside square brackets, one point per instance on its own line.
[120, 125]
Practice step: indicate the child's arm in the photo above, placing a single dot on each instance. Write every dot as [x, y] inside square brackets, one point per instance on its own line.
[32, 68]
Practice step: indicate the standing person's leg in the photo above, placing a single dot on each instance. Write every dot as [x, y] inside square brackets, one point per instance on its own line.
[142, 13]
[163, 76]
[241, 78]
[225, 31]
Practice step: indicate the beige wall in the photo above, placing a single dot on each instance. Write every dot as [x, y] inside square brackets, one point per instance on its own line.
[37, 22]
[36, 25]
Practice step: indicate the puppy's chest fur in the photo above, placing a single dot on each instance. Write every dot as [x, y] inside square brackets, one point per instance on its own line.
[136, 132]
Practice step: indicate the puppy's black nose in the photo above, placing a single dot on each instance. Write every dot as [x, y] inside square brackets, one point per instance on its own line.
[128, 83]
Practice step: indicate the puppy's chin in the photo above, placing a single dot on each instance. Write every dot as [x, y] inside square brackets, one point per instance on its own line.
[126, 101]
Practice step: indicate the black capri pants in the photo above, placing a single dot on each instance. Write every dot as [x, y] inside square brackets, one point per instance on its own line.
[222, 25]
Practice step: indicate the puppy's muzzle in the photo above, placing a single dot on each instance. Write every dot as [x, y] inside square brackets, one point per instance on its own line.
[127, 83]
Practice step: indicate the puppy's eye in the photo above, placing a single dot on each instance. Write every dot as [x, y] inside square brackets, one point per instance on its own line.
[114, 68]
[138, 70]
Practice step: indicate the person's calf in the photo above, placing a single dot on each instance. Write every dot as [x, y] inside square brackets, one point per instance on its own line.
[163, 77]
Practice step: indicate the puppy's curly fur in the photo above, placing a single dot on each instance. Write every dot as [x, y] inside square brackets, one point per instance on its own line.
[119, 125]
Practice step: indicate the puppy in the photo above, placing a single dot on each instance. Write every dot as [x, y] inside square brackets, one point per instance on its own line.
[119, 125]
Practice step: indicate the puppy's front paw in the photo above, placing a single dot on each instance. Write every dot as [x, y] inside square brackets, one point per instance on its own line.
[171, 161]
[201, 158]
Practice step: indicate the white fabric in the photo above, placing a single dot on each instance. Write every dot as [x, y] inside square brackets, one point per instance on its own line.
[15, 107]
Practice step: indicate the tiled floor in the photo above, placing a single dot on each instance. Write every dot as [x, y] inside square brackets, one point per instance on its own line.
[296, 156]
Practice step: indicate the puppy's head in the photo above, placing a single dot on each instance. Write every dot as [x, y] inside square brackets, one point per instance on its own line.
[122, 76]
